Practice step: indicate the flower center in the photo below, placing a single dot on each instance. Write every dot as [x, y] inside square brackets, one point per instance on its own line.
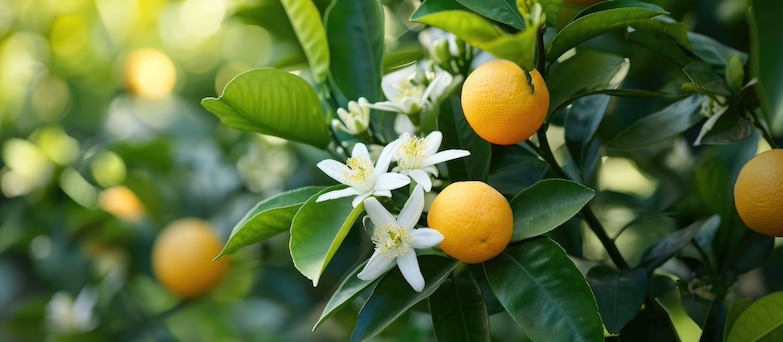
[409, 89]
[392, 240]
[359, 172]
[412, 152]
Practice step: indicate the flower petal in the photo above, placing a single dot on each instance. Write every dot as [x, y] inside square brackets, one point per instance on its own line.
[360, 150]
[390, 81]
[382, 193]
[446, 155]
[391, 181]
[375, 267]
[403, 124]
[382, 166]
[433, 142]
[425, 238]
[422, 178]
[378, 214]
[337, 194]
[334, 169]
[431, 169]
[387, 106]
[359, 198]
[409, 267]
[411, 210]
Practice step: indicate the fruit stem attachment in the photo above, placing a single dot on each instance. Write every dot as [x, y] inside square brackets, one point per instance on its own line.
[592, 221]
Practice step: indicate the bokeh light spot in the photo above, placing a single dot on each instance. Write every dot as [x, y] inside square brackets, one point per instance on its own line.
[150, 73]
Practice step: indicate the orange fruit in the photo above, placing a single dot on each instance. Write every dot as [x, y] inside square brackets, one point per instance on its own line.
[758, 193]
[123, 203]
[182, 258]
[475, 220]
[502, 105]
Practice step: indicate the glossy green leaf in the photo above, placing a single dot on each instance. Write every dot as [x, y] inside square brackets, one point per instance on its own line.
[544, 292]
[552, 10]
[600, 18]
[583, 73]
[687, 330]
[355, 32]
[514, 168]
[457, 134]
[306, 22]
[661, 44]
[761, 321]
[751, 251]
[268, 218]
[620, 294]
[701, 74]
[317, 231]
[660, 126]
[348, 289]
[712, 51]
[546, 205]
[581, 122]
[458, 310]
[502, 11]
[767, 52]
[737, 308]
[669, 246]
[393, 296]
[272, 102]
[664, 26]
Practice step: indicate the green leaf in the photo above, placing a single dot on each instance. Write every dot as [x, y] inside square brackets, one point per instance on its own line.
[737, 308]
[711, 51]
[355, 32]
[306, 21]
[268, 218]
[457, 134]
[701, 74]
[318, 230]
[664, 249]
[503, 11]
[458, 310]
[665, 26]
[393, 296]
[583, 73]
[552, 10]
[271, 16]
[661, 44]
[514, 168]
[597, 19]
[751, 251]
[349, 289]
[581, 122]
[767, 52]
[659, 126]
[761, 321]
[544, 292]
[687, 330]
[620, 294]
[546, 205]
[272, 102]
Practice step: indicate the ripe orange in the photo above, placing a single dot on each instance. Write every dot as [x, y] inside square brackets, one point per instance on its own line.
[758, 193]
[502, 105]
[123, 203]
[182, 258]
[475, 220]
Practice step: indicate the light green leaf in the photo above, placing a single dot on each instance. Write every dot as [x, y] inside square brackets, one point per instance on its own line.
[546, 205]
[272, 102]
[659, 126]
[737, 308]
[544, 292]
[552, 10]
[268, 218]
[767, 52]
[318, 230]
[687, 330]
[349, 289]
[458, 310]
[597, 19]
[307, 25]
[502, 11]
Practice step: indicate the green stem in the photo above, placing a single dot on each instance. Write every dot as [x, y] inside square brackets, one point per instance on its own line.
[765, 133]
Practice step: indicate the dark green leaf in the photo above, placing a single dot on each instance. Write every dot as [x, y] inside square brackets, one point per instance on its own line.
[272, 102]
[546, 205]
[544, 292]
[620, 294]
[317, 231]
[669, 246]
[490, 301]
[268, 218]
[306, 22]
[585, 72]
[393, 296]
[349, 289]
[711, 51]
[514, 168]
[761, 321]
[457, 134]
[503, 11]
[581, 122]
[737, 308]
[552, 10]
[600, 18]
[729, 128]
[663, 45]
[458, 310]
[767, 53]
[701, 74]
[659, 126]
[751, 251]
[355, 32]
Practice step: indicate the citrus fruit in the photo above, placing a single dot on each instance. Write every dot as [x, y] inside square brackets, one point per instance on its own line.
[475, 220]
[502, 105]
[123, 203]
[758, 193]
[182, 258]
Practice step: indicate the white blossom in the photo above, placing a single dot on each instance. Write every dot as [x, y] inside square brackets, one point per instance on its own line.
[416, 157]
[356, 119]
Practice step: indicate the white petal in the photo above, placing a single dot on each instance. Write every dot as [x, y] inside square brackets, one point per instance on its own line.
[334, 169]
[409, 267]
[425, 238]
[421, 178]
[393, 79]
[412, 105]
[439, 84]
[360, 150]
[378, 214]
[358, 199]
[387, 106]
[411, 210]
[337, 194]
[382, 166]
[391, 181]
[403, 124]
[431, 169]
[433, 142]
[382, 193]
[446, 155]
[375, 267]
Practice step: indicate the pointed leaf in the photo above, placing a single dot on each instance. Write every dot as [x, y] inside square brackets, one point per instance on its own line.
[393, 296]
[546, 205]
[701, 74]
[659, 126]
[585, 72]
[457, 134]
[620, 294]
[544, 292]
[581, 122]
[268, 218]
[664, 249]
[514, 168]
[306, 22]
[458, 310]
[767, 52]
[272, 102]
[349, 289]
[737, 308]
[687, 330]
[600, 18]
[318, 230]
[502, 11]
[761, 321]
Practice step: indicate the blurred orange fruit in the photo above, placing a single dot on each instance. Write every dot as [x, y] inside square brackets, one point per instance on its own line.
[758, 193]
[123, 203]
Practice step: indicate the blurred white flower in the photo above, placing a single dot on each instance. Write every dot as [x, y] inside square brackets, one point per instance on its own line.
[356, 119]
[416, 157]
[713, 110]
[362, 177]
[66, 315]
[396, 240]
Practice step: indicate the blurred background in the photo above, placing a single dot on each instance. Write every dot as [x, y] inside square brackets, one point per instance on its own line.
[104, 143]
